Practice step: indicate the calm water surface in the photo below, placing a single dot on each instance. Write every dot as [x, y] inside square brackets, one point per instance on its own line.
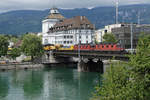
[47, 84]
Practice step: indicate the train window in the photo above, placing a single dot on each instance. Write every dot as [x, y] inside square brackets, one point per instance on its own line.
[112, 46]
[71, 37]
[102, 46]
[107, 46]
[99, 46]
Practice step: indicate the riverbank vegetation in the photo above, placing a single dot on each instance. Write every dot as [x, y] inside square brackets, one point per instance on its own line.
[32, 46]
[128, 81]
[29, 45]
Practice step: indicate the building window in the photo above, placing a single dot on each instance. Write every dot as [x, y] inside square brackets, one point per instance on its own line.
[70, 42]
[46, 41]
[71, 36]
[64, 36]
[67, 42]
[87, 37]
[80, 37]
[64, 42]
[87, 42]
[67, 37]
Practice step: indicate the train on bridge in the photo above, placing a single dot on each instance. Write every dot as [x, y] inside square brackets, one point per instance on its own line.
[106, 47]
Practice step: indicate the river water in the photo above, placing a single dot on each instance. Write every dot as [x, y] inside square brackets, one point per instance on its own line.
[57, 83]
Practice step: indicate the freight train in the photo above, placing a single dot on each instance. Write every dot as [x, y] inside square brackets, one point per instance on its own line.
[116, 47]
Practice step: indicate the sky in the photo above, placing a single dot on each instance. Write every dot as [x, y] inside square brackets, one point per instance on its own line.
[8, 5]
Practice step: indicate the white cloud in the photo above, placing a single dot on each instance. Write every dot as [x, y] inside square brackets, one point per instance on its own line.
[6, 5]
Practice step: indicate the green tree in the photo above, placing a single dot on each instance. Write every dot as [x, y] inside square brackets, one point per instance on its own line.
[128, 81]
[109, 37]
[3, 45]
[15, 52]
[141, 69]
[113, 83]
[32, 46]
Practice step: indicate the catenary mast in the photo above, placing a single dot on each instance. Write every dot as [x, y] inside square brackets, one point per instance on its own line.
[117, 3]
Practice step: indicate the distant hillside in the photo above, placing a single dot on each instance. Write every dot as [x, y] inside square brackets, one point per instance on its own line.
[22, 21]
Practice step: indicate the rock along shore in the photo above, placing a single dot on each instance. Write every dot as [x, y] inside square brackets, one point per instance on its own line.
[20, 66]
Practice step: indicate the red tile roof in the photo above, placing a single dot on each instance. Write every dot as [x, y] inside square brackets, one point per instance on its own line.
[78, 22]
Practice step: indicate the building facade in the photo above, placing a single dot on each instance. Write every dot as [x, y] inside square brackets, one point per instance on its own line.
[123, 34]
[67, 31]
[106, 30]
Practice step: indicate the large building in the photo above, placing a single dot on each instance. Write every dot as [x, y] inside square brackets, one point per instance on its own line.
[122, 32]
[58, 30]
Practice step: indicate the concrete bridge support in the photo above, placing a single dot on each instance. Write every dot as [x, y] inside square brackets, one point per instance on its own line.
[50, 58]
[90, 65]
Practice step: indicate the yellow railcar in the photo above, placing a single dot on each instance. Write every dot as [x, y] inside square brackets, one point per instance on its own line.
[66, 48]
[49, 47]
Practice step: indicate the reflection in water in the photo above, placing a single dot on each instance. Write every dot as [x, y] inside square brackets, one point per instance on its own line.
[3, 85]
[33, 84]
[53, 84]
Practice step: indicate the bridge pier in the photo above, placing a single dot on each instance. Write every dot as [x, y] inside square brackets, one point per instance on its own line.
[50, 58]
[90, 66]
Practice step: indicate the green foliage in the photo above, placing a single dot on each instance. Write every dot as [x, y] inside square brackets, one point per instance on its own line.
[128, 81]
[109, 37]
[114, 82]
[15, 52]
[141, 69]
[3, 45]
[32, 45]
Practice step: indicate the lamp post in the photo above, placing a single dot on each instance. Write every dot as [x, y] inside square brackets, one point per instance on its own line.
[131, 27]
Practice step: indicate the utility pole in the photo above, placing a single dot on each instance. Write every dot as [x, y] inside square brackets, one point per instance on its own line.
[117, 3]
[139, 18]
[131, 27]
[79, 46]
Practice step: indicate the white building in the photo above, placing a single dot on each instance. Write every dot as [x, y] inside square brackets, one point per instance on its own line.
[53, 17]
[67, 31]
[107, 29]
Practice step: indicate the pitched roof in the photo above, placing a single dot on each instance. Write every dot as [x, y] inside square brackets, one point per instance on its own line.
[78, 22]
[55, 16]
[18, 44]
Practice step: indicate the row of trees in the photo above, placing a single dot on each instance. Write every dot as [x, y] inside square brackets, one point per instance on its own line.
[31, 45]
[128, 81]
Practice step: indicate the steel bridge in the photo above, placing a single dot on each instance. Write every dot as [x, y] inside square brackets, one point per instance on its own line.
[105, 55]
[66, 56]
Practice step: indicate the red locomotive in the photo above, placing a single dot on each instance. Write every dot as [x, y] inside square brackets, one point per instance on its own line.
[100, 47]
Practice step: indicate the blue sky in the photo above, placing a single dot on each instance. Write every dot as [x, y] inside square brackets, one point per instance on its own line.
[7, 5]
